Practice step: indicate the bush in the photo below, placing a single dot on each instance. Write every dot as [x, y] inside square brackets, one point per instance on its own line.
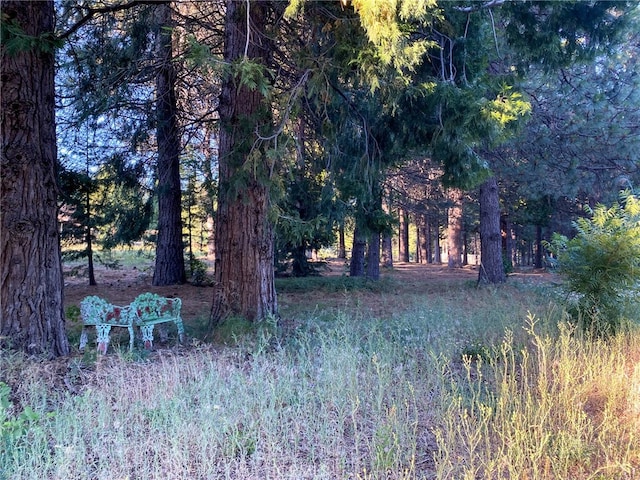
[602, 263]
[198, 271]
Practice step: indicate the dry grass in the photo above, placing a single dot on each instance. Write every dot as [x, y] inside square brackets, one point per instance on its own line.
[562, 408]
[452, 383]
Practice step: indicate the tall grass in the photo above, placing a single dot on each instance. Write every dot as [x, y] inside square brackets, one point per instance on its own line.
[438, 391]
[562, 407]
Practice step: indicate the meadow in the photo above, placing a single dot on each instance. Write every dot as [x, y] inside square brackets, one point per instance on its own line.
[401, 379]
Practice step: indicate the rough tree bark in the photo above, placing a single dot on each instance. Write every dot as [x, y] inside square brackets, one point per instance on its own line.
[387, 244]
[342, 249]
[373, 256]
[357, 264]
[403, 238]
[507, 239]
[423, 238]
[539, 249]
[169, 267]
[387, 250]
[454, 229]
[491, 265]
[437, 254]
[244, 271]
[31, 289]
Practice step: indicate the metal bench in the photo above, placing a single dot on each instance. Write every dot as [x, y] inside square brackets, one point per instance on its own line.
[96, 311]
[149, 309]
[146, 311]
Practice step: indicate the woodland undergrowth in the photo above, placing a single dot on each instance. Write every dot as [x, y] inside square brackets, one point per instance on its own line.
[499, 388]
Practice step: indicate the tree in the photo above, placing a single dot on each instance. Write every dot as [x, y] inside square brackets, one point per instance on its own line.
[244, 272]
[169, 268]
[602, 263]
[107, 208]
[491, 267]
[77, 217]
[373, 256]
[403, 236]
[124, 72]
[31, 289]
[387, 245]
[581, 143]
[455, 228]
[308, 210]
[482, 53]
[357, 262]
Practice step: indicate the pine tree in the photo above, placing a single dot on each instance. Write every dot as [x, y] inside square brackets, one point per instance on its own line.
[169, 267]
[244, 266]
[31, 292]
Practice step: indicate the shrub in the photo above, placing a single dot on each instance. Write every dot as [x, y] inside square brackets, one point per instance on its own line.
[602, 263]
[198, 271]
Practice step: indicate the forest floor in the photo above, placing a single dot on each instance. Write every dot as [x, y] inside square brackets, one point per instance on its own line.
[452, 316]
[120, 286]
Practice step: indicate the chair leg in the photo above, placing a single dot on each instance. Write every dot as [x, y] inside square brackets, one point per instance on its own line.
[131, 337]
[83, 338]
[180, 330]
[103, 337]
[147, 336]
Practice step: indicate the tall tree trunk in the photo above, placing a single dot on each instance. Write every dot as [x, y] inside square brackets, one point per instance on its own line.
[31, 289]
[403, 240]
[465, 248]
[90, 268]
[387, 244]
[538, 257]
[342, 249]
[244, 270]
[423, 236]
[429, 240]
[491, 265]
[356, 267]
[437, 253]
[169, 268]
[373, 256]
[455, 228]
[88, 235]
[507, 239]
[300, 264]
[387, 250]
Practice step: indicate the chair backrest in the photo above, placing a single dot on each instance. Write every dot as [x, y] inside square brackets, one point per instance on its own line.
[93, 308]
[149, 306]
[96, 310]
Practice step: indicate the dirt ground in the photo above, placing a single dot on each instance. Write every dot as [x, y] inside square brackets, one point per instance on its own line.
[123, 285]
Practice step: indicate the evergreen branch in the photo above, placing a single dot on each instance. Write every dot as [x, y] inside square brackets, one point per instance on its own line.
[295, 91]
[475, 8]
[92, 12]
[294, 94]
